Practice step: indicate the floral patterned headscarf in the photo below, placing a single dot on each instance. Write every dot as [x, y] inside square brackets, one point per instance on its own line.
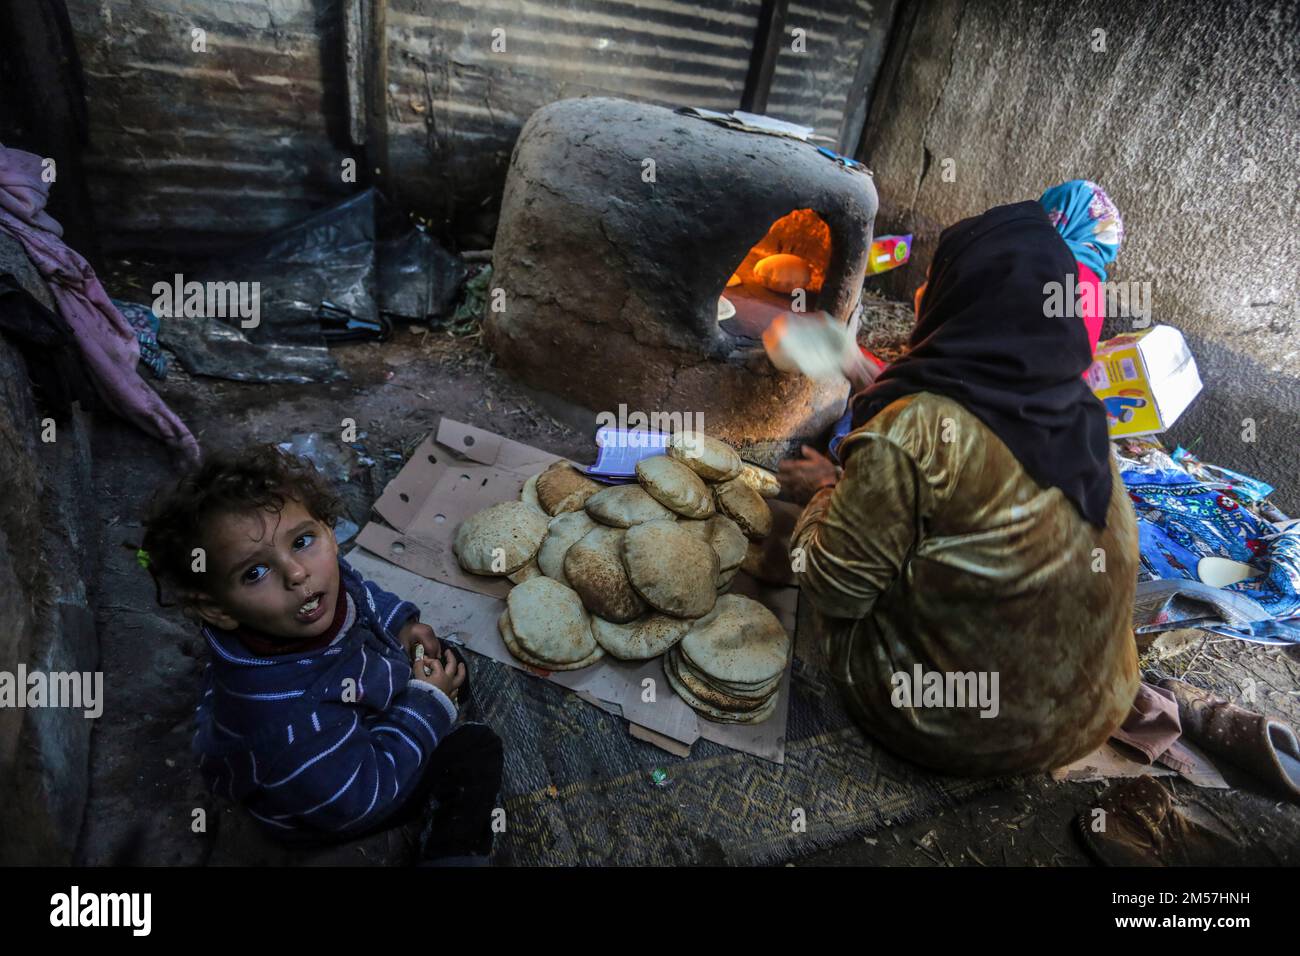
[1088, 222]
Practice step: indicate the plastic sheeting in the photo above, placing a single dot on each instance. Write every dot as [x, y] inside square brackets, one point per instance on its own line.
[418, 279]
[326, 258]
[327, 267]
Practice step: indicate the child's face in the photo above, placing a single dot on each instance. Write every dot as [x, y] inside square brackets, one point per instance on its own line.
[277, 573]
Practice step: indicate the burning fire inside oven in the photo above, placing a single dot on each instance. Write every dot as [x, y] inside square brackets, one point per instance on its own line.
[784, 270]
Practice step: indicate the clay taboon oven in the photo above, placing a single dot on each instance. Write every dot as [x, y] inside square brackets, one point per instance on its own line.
[623, 224]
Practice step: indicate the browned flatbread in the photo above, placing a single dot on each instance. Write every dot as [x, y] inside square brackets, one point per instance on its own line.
[562, 488]
[500, 539]
[750, 691]
[625, 505]
[594, 568]
[709, 458]
[739, 642]
[564, 531]
[648, 636]
[701, 528]
[672, 569]
[529, 570]
[549, 621]
[711, 695]
[710, 712]
[729, 541]
[745, 506]
[761, 480]
[528, 493]
[675, 486]
[511, 642]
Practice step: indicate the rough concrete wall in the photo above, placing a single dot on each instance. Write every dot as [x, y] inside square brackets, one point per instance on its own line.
[1189, 120]
[46, 622]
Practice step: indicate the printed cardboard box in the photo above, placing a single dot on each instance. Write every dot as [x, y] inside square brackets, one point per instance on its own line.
[1145, 379]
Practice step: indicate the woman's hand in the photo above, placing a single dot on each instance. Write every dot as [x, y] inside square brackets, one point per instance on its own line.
[859, 370]
[801, 478]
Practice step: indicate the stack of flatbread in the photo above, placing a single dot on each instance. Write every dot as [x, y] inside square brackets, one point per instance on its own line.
[640, 570]
[545, 625]
[729, 664]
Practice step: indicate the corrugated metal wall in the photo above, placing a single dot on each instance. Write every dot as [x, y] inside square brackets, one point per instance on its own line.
[192, 147]
[826, 86]
[475, 100]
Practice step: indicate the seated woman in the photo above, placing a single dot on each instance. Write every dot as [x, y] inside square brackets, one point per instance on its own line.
[980, 531]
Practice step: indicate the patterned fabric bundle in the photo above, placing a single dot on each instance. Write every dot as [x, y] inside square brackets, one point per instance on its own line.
[1181, 520]
[145, 323]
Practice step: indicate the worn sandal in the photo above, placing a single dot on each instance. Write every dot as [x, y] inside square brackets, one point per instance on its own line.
[1264, 747]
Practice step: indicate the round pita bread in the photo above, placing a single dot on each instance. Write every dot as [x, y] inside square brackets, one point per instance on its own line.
[562, 488]
[529, 570]
[750, 692]
[710, 695]
[714, 713]
[701, 528]
[673, 570]
[528, 494]
[511, 531]
[549, 622]
[729, 541]
[594, 568]
[709, 458]
[745, 506]
[512, 645]
[625, 505]
[760, 479]
[724, 579]
[739, 641]
[562, 533]
[646, 637]
[675, 486]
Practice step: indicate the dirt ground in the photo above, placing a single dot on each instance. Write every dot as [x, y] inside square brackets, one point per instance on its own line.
[396, 393]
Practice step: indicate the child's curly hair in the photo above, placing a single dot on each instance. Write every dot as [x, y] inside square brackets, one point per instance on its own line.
[256, 477]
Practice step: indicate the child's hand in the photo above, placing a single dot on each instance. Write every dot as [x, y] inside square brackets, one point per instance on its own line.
[415, 633]
[447, 674]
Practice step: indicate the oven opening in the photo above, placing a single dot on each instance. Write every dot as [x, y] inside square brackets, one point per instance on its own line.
[783, 272]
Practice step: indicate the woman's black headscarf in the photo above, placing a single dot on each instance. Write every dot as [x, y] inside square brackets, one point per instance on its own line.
[984, 339]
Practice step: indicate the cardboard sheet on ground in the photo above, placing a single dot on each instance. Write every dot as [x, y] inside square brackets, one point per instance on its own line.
[1109, 762]
[462, 469]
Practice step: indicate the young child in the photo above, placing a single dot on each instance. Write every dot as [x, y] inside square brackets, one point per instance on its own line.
[312, 715]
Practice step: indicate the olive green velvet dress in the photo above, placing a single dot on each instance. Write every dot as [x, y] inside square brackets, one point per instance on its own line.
[937, 548]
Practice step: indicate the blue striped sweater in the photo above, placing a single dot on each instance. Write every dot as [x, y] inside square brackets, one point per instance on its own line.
[328, 742]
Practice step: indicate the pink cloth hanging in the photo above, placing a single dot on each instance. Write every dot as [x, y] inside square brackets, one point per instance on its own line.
[108, 343]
